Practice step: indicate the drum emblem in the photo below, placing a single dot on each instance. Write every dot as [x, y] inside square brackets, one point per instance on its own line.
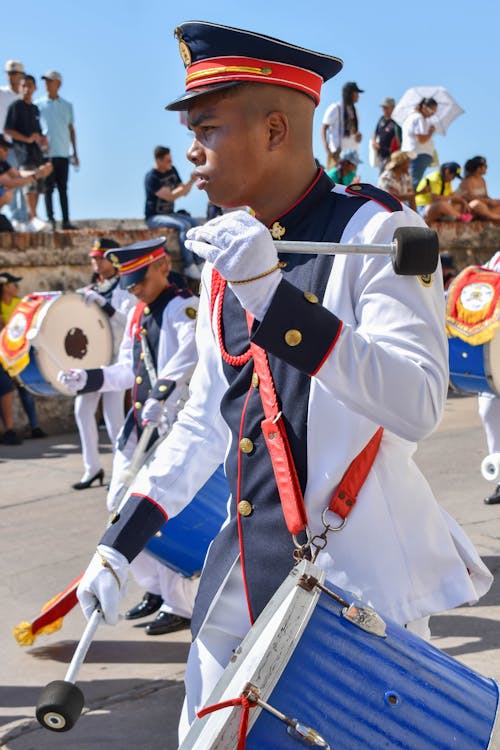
[76, 343]
[17, 327]
[475, 297]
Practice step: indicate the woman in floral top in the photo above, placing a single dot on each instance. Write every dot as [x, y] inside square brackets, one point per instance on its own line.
[396, 178]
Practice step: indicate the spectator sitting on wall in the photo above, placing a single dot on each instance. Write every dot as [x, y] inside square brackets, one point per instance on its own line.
[435, 198]
[473, 189]
[396, 178]
[163, 187]
[345, 171]
[10, 179]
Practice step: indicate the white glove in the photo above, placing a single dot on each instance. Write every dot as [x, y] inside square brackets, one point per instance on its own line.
[73, 380]
[152, 412]
[104, 584]
[241, 248]
[90, 295]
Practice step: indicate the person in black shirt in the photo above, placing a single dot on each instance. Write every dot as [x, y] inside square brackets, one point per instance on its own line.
[387, 136]
[163, 187]
[23, 125]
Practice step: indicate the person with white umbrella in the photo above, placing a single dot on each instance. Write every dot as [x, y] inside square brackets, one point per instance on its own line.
[418, 130]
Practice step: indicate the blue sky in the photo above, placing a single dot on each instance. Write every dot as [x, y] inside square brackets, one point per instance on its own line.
[120, 65]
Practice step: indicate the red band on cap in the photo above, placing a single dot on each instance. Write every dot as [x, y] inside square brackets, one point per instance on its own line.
[142, 262]
[220, 69]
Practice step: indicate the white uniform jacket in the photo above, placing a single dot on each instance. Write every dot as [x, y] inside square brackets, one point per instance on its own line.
[387, 364]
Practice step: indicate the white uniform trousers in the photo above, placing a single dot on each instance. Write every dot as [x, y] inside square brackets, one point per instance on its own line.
[489, 412]
[85, 410]
[178, 593]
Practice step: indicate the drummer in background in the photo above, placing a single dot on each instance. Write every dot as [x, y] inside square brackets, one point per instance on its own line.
[489, 407]
[116, 302]
[167, 354]
[9, 300]
[351, 347]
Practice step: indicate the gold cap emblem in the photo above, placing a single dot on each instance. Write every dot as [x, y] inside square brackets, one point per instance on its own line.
[114, 260]
[184, 50]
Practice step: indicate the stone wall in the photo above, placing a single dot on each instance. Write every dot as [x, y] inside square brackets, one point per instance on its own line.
[59, 261]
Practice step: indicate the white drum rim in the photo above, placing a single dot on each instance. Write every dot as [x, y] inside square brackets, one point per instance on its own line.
[253, 663]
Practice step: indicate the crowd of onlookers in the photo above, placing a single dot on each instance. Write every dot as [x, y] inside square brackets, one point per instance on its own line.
[37, 145]
[404, 153]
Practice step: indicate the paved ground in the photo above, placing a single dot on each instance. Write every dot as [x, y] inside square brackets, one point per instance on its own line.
[133, 683]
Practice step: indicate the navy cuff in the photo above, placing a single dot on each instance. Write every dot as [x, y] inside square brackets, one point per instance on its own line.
[133, 526]
[162, 389]
[297, 329]
[95, 380]
[108, 309]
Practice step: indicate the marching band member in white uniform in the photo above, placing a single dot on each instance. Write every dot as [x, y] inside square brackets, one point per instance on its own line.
[351, 347]
[116, 303]
[489, 407]
[156, 359]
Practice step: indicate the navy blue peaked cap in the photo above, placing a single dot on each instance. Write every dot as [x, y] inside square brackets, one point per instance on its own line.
[217, 57]
[132, 261]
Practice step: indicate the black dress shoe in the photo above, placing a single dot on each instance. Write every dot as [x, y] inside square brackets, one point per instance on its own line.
[10, 437]
[37, 432]
[165, 622]
[493, 499]
[149, 603]
[88, 482]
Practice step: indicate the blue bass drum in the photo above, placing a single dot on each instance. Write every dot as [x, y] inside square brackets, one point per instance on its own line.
[475, 369]
[321, 672]
[182, 543]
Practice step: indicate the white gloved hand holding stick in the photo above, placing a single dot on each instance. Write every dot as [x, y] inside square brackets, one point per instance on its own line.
[241, 248]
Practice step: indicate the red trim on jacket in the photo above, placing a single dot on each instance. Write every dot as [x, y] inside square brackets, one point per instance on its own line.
[330, 349]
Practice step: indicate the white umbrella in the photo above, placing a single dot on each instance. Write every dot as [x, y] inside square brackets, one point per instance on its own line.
[447, 109]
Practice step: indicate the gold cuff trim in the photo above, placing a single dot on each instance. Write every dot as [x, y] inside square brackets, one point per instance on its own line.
[261, 275]
[107, 564]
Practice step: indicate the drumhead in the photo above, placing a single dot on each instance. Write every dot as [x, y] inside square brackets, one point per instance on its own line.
[71, 334]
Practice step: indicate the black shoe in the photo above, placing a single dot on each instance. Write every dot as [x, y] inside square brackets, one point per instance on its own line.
[493, 499]
[88, 483]
[10, 437]
[69, 227]
[165, 622]
[37, 432]
[149, 603]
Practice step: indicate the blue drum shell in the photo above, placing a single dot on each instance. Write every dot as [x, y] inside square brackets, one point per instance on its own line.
[182, 543]
[361, 691]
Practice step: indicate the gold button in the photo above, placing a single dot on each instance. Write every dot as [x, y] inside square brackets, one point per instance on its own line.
[141, 355]
[293, 337]
[137, 404]
[255, 380]
[355, 187]
[115, 517]
[310, 297]
[138, 379]
[245, 508]
[246, 445]
[146, 311]
[162, 388]
[190, 312]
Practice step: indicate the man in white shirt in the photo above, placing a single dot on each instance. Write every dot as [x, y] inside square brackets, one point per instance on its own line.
[14, 69]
